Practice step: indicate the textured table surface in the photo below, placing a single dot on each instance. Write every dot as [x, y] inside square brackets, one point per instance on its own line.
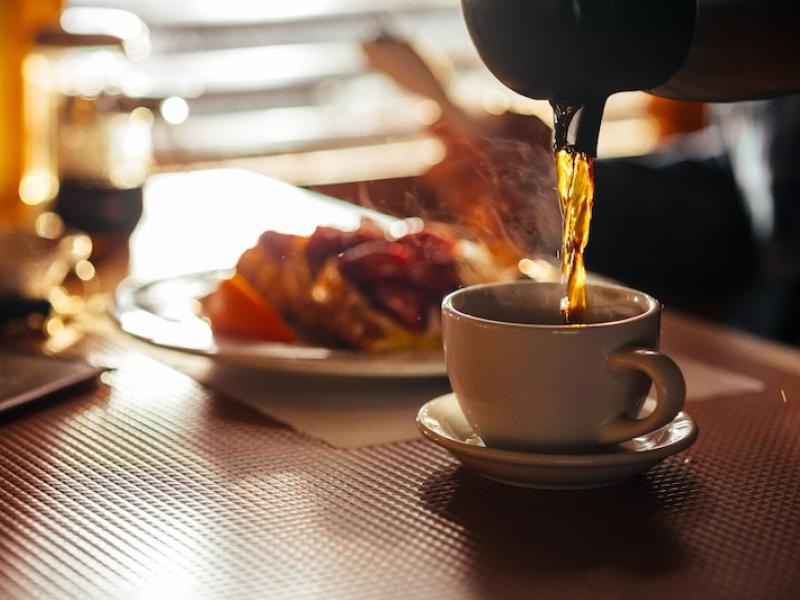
[151, 486]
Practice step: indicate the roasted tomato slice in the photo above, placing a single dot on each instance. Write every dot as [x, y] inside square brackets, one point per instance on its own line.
[406, 304]
[236, 308]
[406, 278]
[328, 241]
[278, 245]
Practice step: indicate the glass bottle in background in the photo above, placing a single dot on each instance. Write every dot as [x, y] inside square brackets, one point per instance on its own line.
[90, 145]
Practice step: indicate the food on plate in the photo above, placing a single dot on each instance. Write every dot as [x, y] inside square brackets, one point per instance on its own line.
[236, 308]
[361, 289]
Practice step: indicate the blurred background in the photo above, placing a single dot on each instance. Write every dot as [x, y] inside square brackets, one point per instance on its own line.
[269, 79]
[102, 95]
[280, 88]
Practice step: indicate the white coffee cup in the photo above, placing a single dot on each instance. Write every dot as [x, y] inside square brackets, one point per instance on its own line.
[527, 381]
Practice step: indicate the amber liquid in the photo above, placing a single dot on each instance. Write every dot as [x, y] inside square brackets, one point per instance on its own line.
[575, 184]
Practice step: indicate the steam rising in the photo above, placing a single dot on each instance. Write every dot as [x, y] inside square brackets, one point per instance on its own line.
[500, 190]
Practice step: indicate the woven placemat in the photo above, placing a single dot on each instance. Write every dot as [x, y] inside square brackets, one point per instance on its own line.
[151, 486]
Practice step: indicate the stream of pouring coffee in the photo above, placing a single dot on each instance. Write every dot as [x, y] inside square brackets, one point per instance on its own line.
[575, 184]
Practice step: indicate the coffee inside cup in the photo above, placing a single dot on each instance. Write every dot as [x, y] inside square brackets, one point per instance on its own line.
[539, 304]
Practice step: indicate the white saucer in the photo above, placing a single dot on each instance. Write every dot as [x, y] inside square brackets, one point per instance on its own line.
[442, 422]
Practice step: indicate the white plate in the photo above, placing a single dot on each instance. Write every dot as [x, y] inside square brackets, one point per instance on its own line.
[442, 422]
[164, 313]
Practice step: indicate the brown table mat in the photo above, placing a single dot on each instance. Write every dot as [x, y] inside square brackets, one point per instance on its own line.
[151, 486]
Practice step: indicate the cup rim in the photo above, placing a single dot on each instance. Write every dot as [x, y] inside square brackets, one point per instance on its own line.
[653, 306]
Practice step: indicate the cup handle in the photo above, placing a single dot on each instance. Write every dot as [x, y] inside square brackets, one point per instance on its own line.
[670, 393]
